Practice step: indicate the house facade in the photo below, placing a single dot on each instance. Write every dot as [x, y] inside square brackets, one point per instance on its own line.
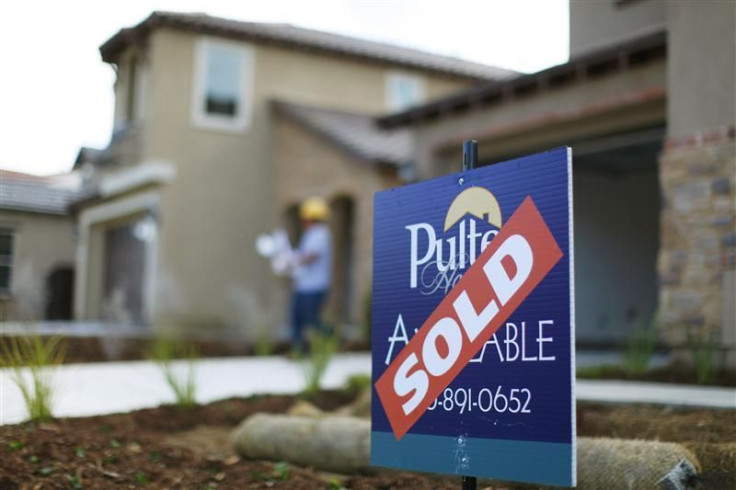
[648, 104]
[37, 247]
[210, 150]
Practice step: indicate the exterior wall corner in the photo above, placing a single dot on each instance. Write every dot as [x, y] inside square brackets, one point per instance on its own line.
[697, 257]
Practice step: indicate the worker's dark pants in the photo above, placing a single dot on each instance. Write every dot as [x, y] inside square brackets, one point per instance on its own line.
[306, 310]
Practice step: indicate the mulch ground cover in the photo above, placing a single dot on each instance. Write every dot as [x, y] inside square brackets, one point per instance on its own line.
[170, 447]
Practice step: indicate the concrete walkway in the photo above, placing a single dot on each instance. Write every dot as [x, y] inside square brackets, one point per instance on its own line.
[609, 391]
[95, 389]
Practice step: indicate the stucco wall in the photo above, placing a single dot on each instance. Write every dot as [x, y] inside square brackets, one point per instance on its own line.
[594, 25]
[306, 165]
[41, 243]
[205, 230]
[702, 66]
[222, 197]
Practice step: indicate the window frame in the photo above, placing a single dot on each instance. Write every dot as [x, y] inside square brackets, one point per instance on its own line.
[393, 79]
[7, 259]
[200, 118]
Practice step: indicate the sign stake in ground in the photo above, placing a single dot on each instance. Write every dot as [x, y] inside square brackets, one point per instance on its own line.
[473, 323]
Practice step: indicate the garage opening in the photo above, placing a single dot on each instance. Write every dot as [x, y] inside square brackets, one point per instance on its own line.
[617, 210]
[616, 199]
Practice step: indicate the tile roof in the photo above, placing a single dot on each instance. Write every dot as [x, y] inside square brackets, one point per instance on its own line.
[355, 133]
[88, 155]
[32, 193]
[298, 37]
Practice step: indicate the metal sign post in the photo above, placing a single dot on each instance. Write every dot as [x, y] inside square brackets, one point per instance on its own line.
[470, 155]
[470, 159]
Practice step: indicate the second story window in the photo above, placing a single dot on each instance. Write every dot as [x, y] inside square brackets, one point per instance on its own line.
[223, 79]
[6, 259]
[222, 87]
[403, 91]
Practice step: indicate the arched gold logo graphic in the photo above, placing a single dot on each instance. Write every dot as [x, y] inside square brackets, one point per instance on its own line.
[476, 201]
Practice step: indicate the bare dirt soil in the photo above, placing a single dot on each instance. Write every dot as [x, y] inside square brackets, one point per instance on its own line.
[169, 447]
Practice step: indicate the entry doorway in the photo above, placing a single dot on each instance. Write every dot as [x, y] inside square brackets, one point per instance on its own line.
[124, 269]
[342, 224]
[60, 293]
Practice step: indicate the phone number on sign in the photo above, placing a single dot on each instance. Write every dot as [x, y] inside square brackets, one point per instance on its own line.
[500, 400]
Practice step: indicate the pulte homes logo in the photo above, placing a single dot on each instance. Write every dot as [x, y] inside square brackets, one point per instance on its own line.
[437, 259]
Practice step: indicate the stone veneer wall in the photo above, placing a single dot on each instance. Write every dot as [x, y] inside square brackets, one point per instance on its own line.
[697, 257]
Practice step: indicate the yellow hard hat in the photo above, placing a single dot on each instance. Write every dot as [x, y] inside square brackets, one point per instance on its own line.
[314, 209]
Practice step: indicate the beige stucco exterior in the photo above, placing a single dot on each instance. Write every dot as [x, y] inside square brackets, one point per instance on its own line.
[42, 243]
[223, 195]
[702, 36]
[594, 25]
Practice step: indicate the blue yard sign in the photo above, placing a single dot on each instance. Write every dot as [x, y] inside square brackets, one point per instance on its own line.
[473, 323]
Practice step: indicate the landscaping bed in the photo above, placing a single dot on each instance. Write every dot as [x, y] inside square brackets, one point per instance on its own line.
[677, 373]
[171, 447]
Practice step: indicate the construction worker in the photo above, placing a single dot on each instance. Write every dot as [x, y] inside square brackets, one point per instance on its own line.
[312, 269]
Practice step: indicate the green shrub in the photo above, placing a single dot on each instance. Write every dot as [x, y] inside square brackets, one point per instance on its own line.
[357, 383]
[281, 471]
[640, 348]
[703, 354]
[264, 345]
[322, 347]
[183, 384]
[39, 357]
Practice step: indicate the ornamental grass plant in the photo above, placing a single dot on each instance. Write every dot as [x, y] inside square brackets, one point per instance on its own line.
[640, 348]
[177, 360]
[703, 352]
[32, 361]
[322, 348]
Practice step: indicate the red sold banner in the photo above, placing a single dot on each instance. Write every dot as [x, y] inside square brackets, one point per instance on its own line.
[508, 270]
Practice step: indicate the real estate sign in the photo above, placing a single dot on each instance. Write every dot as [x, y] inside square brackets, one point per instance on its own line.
[473, 323]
